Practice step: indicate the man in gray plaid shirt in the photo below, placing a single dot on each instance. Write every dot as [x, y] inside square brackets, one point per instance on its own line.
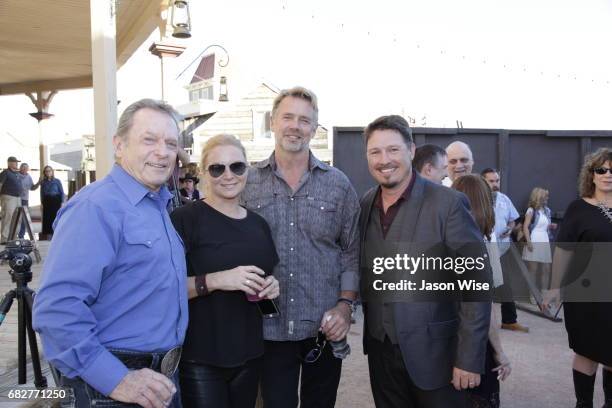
[313, 212]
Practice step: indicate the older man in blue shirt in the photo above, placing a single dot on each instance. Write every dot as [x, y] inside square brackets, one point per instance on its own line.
[113, 299]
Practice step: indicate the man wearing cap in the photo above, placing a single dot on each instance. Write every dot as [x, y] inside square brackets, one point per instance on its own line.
[189, 192]
[10, 195]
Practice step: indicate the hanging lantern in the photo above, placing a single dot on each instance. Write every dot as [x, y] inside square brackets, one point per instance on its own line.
[181, 19]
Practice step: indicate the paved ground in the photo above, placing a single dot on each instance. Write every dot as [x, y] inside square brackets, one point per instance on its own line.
[541, 376]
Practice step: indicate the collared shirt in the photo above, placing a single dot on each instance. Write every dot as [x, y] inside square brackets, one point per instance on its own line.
[386, 218]
[11, 183]
[26, 185]
[114, 278]
[504, 214]
[315, 230]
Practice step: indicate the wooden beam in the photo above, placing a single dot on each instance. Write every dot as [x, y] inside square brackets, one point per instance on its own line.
[46, 85]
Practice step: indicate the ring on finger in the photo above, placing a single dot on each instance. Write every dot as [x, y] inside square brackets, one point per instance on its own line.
[247, 282]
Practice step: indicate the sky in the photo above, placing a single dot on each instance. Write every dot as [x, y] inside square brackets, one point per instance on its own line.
[520, 64]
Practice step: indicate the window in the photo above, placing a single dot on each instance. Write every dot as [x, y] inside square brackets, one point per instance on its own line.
[261, 124]
[267, 126]
[206, 93]
[201, 93]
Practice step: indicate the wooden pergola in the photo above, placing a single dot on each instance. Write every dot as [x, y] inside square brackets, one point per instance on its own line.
[52, 45]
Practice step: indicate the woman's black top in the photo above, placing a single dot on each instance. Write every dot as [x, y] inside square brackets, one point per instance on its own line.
[225, 329]
[584, 224]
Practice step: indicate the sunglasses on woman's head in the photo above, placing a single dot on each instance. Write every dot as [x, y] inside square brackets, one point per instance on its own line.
[217, 170]
[602, 170]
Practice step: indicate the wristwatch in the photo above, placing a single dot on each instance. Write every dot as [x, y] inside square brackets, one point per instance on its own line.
[349, 302]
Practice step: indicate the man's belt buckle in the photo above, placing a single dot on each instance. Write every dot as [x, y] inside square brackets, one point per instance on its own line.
[170, 362]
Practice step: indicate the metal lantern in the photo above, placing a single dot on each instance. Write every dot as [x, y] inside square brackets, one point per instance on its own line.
[181, 19]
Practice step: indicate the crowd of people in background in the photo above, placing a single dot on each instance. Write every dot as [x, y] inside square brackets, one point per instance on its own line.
[16, 184]
[588, 219]
[291, 231]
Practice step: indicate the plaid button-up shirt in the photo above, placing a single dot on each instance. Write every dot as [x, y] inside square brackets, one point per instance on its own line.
[315, 230]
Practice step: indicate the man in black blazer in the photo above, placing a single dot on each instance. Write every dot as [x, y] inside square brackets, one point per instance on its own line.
[422, 351]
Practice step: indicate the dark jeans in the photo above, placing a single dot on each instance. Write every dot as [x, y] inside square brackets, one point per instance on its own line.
[82, 395]
[22, 229]
[508, 307]
[283, 361]
[392, 386]
[206, 386]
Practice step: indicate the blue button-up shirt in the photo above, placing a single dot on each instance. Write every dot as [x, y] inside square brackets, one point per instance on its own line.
[51, 187]
[114, 278]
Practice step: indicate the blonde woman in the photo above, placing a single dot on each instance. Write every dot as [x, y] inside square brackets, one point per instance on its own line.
[230, 258]
[536, 228]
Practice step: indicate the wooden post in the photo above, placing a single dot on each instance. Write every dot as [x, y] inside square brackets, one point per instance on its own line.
[104, 70]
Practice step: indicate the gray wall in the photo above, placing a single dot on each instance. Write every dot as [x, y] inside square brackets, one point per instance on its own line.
[525, 158]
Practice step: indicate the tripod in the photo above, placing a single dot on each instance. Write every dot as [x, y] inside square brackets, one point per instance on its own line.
[21, 274]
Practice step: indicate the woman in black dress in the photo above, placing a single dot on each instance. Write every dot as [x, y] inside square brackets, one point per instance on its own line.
[587, 224]
[230, 258]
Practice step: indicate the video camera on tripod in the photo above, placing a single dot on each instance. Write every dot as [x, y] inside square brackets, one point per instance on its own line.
[17, 254]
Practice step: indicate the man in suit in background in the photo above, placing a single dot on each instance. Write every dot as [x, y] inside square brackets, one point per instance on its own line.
[431, 162]
[420, 354]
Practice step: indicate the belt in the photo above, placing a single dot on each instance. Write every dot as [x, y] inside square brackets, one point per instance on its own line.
[162, 362]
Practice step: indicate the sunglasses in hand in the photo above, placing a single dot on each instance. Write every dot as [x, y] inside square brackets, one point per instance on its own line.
[314, 354]
[217, 170]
